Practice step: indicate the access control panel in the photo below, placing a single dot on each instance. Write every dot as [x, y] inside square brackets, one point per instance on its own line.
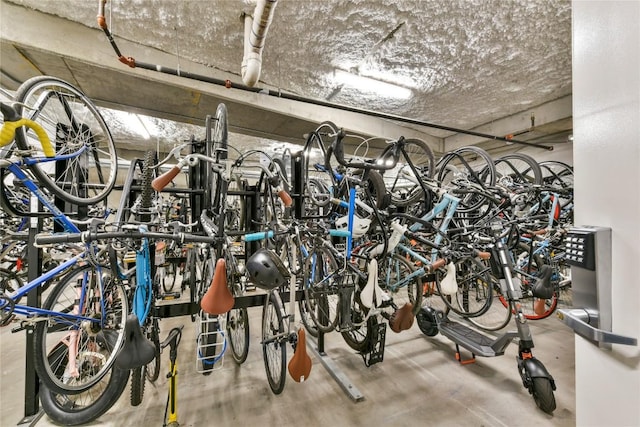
[580, 248]
[589, 253]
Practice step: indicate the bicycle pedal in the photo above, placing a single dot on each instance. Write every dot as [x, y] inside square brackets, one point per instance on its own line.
[170, 296]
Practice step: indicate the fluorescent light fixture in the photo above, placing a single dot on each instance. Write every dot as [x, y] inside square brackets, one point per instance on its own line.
[367, 84]
[135, 122]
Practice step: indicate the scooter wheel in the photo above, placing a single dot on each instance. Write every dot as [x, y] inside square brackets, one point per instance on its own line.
[542, 392]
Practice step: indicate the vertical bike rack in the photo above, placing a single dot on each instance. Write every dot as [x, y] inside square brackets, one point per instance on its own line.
[338, 375]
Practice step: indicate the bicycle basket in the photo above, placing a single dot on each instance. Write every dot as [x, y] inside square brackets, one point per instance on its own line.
[266, 270]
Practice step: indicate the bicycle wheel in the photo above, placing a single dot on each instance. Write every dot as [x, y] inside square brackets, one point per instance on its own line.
[238, 333]
[417, 163]
[90, 347]
[497, 316]
[138, 381]
[237, 318]
[152, 331]
[85, 407]
[274, 342]
[320, 291]
[519, 173]
[532, 307]
[86, 166]
[475, 292]
[518, 169]
[359, 336]
[169, 278]
[394, 271]
[464, 167]
[146, 196]
[10, 281]
[217, 139]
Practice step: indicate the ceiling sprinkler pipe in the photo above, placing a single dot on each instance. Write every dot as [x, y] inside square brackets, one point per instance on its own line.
[255, 33]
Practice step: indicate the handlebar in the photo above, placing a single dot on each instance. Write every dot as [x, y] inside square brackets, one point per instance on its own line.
[337, 149]
[159, 183]
[90, 236]
[13, 121]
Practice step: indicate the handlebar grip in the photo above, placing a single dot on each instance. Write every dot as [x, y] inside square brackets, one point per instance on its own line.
[261, 235]
[163, 180]
[49, 239]
[440, 262]
[339, 233]
[286, 198]
[8, 131]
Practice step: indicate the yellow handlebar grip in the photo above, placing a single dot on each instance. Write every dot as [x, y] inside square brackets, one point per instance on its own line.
[8, 131]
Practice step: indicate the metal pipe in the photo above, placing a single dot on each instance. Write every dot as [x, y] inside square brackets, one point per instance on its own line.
[255, 33]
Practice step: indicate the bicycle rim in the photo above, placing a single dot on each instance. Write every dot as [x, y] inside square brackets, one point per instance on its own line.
[77, 131]
[94, 346]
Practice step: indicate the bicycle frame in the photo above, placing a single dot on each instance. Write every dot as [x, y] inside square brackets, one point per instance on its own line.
[65, 222]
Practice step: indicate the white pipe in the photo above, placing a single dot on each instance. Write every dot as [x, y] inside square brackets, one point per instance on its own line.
[255, 32]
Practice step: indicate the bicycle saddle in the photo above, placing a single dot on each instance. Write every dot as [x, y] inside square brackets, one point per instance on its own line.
[218, 299]
[371, 294]
[300, 364]
[543, 288]
[136, 350]
[402, 319]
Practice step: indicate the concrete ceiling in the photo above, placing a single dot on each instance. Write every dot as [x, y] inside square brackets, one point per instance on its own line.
[496, 66]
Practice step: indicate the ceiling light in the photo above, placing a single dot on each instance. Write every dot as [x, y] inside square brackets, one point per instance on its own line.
[135, 122]
[367, 84]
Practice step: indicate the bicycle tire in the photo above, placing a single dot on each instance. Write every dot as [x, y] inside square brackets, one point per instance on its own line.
[359, 336]
[83, 408]
[274, 344]
[529, 304]
[169, 278]
[520, 168]
[107, 340]
[146, 196]
[216, 148]
[497, 316]
[152, 369]
[419, 163]
[238, 333]
[237, 318]
[78, 131]
[10, 281]
[320, 296]
[475, 290]
[393, 269]
[467, 165]
[138, 380]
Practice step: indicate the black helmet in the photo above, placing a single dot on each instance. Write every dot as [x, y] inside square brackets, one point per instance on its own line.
[266, 270]
[427, 322]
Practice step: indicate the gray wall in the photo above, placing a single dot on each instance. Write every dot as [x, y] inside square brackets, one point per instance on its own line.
[606, 154]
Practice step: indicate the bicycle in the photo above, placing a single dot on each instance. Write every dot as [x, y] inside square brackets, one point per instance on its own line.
[98, 304]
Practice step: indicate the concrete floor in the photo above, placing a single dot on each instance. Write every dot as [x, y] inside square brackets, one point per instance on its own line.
[418, 383]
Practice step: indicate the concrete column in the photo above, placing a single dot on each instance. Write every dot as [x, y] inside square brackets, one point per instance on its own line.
[606, 109]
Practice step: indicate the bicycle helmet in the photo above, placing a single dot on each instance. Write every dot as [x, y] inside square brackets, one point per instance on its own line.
[427, 323]
[266, 270]
[360, 225]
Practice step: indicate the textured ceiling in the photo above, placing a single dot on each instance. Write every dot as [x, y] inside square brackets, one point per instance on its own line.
[466, 62]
